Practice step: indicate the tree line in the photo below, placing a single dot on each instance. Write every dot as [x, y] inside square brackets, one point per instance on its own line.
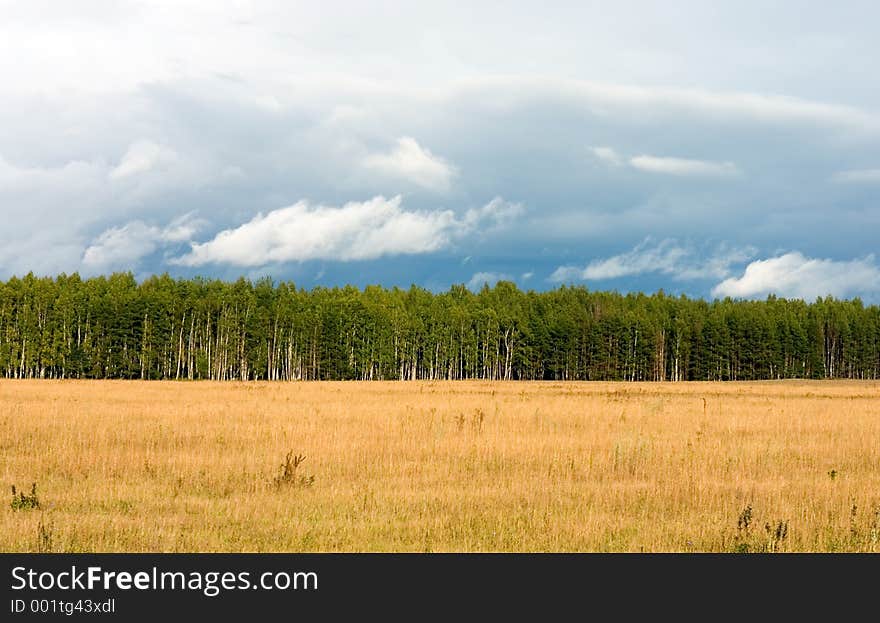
[113, 327]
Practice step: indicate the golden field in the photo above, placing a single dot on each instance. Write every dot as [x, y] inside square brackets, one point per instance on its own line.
[441, 466]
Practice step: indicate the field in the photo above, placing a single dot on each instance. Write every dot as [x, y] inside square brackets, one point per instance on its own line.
[453, 466]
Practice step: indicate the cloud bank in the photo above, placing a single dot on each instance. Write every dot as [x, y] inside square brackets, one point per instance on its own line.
[790, 275]
[793, 275]
[687, 135]
[411, 162]
[683, 166]
[607, 154]
[667, 257]
[358, 230]
[141, 157]
[120, 248]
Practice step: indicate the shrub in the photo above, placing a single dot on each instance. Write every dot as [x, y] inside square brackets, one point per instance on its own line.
[287, 475]
[24, 502]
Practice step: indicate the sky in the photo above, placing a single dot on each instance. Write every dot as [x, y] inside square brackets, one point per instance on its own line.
[704, 148]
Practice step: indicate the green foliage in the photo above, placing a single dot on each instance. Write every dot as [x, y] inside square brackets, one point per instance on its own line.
[22, 501]
[776, 533]
[164, 328]
[747, 541]
[744, 522]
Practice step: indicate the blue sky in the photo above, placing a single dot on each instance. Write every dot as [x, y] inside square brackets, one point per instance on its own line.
[712, 149]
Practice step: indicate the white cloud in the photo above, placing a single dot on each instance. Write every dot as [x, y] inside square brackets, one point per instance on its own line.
[497, 213]
[477, 282]
[47, 251]
[683, 166]
[793, 275]
[663, 257]
[610, 98]
[411, 162]
[74, 176]
[111, 46]
[667, 165]
[122, 247]
[182, 229]
[867, 176]
[528, 275]
[266, 102]
[667, 257]
[141, 157]
[607, 154]
[356, 231]
[717, 265]
[98, 180]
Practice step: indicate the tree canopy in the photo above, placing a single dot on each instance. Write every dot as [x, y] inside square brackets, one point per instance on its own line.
[163, 328]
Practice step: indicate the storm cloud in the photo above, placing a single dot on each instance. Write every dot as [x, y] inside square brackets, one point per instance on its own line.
[305, 141]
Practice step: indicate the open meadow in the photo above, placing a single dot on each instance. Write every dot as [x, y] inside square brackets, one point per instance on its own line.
[439, 466]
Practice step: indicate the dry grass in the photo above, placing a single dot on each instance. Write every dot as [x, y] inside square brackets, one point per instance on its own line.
[130, 466]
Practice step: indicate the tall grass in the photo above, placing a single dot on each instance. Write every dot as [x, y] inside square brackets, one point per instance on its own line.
[422, 466]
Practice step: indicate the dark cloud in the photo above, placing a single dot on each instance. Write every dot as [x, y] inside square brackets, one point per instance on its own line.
[671, 128]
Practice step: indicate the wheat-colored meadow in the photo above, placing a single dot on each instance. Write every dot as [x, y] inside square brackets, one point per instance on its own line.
[441, 466]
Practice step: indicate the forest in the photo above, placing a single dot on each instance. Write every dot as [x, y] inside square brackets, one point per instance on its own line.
[113, 327]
